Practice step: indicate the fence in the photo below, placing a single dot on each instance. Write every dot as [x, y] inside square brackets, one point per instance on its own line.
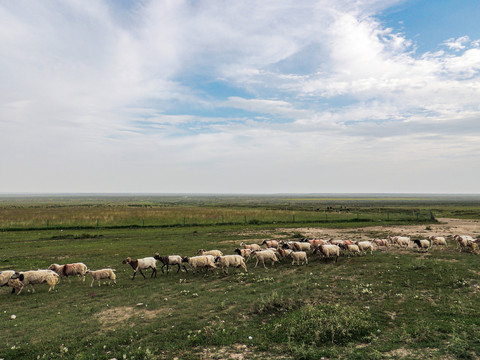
[297, 218]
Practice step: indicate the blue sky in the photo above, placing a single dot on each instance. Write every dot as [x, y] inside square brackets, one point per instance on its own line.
[278, 96]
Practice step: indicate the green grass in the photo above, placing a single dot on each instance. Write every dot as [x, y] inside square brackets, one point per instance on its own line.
[392, 304]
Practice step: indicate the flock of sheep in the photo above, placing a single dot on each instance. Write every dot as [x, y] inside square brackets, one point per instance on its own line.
[273, 251]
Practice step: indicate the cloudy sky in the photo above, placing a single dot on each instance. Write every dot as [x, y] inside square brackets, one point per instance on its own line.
[271, 96]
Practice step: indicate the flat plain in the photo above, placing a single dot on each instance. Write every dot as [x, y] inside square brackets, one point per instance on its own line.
[394, 303]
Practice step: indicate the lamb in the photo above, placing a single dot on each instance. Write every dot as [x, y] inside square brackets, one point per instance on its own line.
[231, 261]
[20, 280]
[265, 255]
[139, 264]
[170, 260]
[214, 253]
[253, 247]
[422, 244]
[329, 251]
[199, 262]
[245, 253]
[69, 269]
[365, 246]
[438, 240]
[270, 243]
[298, 256]
[102, 274]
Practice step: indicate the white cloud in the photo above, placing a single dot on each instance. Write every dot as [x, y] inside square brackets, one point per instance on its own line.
[112, 99]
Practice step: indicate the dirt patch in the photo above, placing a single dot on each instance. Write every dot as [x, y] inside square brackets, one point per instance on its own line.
[444, 227]
[127, 316]
[237, 352]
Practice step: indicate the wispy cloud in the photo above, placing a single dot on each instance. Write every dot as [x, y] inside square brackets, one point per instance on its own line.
[114, 98]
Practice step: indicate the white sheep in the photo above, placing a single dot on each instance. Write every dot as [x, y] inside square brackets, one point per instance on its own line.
[102, 274]
[438, 240]
[227, 261]
[200, 262]
[214, 253]
[253, 247]
[381, 242]
[353, 249]
[264, 255]
[365, 246]
[139, 264]
[20, 280]
[402, 241]
[170, 260]
[301, 246]
[329, 251]
[298, 256]
[69, 270]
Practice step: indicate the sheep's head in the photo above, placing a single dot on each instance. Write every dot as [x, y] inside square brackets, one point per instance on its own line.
[88, 271]
[201, 251]
[217, 258]
[157, 256]
[237, 250]
[127, 260]
[53, 267]
[185, 259]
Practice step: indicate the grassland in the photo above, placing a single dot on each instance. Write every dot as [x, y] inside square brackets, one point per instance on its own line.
[392, 304]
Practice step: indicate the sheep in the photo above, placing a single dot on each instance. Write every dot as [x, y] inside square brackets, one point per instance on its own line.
[270, 243]
[214, 253]
[422, 244]
[316, 242]
[5, 277]
[265, 255]
[139, 264]
[329, 251]
[464, 240]
[227, 261]
[102, 274]
[21, 279]
[301, 246]
[401, 241]
[298, 256]
[170, 260]
[199, 262]
[253, 247]
[365, 246]
[245, 253]
[381, 242]
[69, 269]
[353, 249]
[438, 240]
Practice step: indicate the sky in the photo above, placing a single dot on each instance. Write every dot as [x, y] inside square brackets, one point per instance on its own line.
[217, 96]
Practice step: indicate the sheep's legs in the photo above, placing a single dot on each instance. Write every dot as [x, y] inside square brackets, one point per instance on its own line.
[93, 280]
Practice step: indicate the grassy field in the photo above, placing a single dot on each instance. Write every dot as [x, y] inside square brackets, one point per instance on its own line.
[392, 304]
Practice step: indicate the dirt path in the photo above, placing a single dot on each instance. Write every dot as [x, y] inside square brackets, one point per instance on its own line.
[445, 227]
